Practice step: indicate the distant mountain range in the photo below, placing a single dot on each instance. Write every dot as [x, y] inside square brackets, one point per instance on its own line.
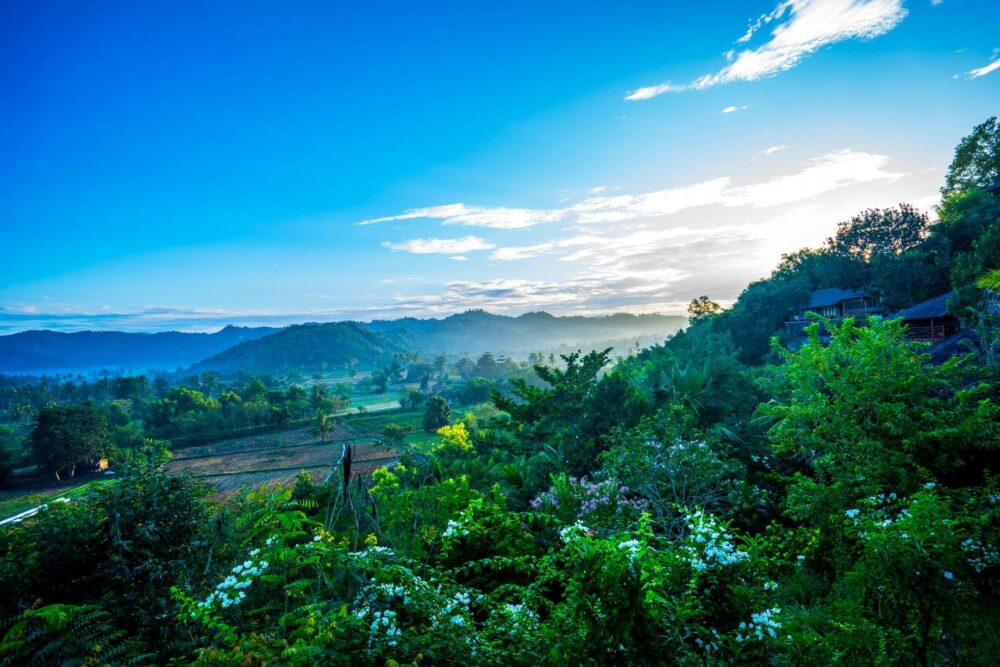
[476, 331]
[310, 346]
[37, 352]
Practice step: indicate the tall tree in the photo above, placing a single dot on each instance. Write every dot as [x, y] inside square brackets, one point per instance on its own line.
[880, 232]
[977, 159]
[64, 437]
[703, 308]
[437, 414]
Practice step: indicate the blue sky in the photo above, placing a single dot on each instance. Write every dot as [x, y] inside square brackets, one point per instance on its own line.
[186, 165]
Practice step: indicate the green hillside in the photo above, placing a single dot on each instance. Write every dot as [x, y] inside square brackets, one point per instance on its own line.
[303, 346]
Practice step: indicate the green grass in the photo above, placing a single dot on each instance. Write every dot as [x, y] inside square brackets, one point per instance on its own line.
[422, 442]
[372, 424]
[18, 504]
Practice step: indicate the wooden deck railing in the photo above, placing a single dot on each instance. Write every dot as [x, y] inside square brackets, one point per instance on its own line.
[931, 332]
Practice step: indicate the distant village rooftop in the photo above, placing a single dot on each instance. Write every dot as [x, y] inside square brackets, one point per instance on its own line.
[832, 296]
[936, 307]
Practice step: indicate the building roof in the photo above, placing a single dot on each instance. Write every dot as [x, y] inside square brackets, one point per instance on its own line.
[936, 307]
[961, 343]
[994, 189]
[832, 296]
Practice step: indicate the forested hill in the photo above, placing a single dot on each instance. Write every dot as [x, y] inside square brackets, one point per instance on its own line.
[266, 350]
[38, 352]
[311, 346]
[476, 331]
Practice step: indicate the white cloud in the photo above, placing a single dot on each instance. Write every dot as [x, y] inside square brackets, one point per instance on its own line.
[732, 108]
[804, 27]
[984, 70]
[830, 172]
[823, 174]
[512, 253]
[441, 246]
[475, 216]
[650, 204]
[650, 92]
[772, 150]
[459, 258]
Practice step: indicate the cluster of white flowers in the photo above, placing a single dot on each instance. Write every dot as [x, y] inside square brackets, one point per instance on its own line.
[455, 529]
[373, 550]
[632, 546]
[881, 515]
[520, 619]
[710, 646]
[455, 612]
[881, 498]
[375, 602]
[762, 624]
[231, 590]
[761, 460]
[570, 532]
[770, 585]
[310, 545]
[709, 544]
[384, 623]
[981, 556]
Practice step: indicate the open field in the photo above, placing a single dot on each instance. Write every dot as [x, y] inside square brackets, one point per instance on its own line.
[230, 472]
[265, 458]
[298, 436]
[17, 500]
[277, 458]
[372, 425]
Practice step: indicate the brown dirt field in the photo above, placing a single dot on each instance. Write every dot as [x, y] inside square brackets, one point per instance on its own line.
[300, 436]
[229, 472]
[227, 485]
[303, 456]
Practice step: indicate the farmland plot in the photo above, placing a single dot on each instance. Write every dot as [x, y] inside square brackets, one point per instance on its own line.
[277, 459]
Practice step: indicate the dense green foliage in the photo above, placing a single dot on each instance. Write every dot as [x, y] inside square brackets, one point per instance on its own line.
[851, 521]
[721, 498]
[65, 437]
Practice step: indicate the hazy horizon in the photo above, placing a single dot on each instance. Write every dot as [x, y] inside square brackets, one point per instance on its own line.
[169, 168]
[123, 323]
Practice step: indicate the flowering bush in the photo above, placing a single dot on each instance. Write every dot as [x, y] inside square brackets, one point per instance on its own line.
[602, 504]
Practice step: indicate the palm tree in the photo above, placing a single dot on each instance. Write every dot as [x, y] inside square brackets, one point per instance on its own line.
[990, 281]
[694, 385]
[324, 425]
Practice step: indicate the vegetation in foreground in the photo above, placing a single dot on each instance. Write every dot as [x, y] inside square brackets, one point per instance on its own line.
[712, 500]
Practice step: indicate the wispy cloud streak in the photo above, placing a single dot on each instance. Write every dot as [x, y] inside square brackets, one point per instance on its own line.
[441, 246]
[476, 216]
[823, 174]
[804, 26]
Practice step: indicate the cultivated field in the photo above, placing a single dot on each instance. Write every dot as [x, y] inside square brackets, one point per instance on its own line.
[277, 458]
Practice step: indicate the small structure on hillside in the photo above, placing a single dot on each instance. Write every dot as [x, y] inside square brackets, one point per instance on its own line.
[930, 321]
[835, 304]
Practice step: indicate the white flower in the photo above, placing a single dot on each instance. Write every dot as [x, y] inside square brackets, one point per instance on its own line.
[576, 530]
